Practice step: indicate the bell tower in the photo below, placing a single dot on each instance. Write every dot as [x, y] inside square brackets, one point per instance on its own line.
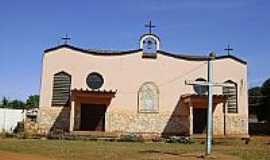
[149, 42]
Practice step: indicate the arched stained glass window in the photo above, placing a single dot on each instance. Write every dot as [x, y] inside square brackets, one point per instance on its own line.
[148, 98]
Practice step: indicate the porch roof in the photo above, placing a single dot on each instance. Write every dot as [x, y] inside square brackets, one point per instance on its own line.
[198, 101]
[93, 93]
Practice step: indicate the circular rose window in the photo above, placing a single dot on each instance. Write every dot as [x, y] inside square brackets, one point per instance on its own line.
[94, 80]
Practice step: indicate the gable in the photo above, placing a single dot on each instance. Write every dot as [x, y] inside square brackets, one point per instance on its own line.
[128, 52]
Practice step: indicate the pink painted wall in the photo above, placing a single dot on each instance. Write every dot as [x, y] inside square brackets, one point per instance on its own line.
[127, 73]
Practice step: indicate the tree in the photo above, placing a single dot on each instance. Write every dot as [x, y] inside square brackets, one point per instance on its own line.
[265, 89]
[254, 100]
[265, 109]
[4, 102]
[259, 101]
[32, 101]
[16, 104]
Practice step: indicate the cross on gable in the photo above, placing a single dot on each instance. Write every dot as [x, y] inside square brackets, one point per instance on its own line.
[228, 49]
[66, 39]
[150, 26]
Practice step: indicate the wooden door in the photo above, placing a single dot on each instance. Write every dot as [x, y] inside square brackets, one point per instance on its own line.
[199, 120]
[92, 117]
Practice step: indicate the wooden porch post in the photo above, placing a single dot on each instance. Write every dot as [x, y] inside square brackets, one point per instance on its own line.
[190, 120]
[72, 111]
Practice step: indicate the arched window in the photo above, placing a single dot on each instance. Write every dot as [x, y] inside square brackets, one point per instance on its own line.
[199, 89]
[148, 97]
[231, 93]
[61, 89]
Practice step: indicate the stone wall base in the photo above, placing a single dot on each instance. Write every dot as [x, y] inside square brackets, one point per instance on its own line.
[165, 123]
[52, 119]
[161, 123]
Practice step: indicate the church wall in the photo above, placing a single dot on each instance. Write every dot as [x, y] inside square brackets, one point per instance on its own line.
[236, 124]
[53, 119]
[218, 120]
[127, 73]
[161, 123]
[167, 122]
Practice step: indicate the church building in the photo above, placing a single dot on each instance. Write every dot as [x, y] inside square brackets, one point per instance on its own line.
[141, 91]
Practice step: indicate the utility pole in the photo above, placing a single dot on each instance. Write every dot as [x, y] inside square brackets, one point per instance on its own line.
[210, 104]
[210, 84]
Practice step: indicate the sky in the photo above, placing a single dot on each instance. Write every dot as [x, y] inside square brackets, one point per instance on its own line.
[196, 27]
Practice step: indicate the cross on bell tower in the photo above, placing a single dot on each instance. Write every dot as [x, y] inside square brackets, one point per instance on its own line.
[66, 38]
[150, 26]
[228, 49]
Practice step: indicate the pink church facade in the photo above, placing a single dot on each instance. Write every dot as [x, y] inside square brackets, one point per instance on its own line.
[140, 91]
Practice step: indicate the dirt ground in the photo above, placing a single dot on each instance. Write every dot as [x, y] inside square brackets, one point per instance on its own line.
[36, 149]
[4, 155]
[190, 156]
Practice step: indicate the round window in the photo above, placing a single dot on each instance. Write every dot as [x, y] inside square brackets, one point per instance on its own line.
[94, 80]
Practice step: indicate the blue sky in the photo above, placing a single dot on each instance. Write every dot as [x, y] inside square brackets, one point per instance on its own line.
[184, 26]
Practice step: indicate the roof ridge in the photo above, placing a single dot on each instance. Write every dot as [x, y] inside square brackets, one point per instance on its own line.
[115, 53]
[105, 50]
[92, 51]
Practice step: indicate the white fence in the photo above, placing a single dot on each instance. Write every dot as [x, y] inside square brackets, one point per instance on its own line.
[9, 119]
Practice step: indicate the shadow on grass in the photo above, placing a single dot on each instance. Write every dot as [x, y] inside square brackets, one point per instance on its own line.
[158, 152]
[182, 155]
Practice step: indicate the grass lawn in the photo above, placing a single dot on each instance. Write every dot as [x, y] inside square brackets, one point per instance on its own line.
[257, 149]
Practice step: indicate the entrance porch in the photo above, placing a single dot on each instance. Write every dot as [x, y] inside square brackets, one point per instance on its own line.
[88, 109]
[197, 106]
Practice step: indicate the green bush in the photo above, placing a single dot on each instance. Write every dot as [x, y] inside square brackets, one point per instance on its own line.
[5, 134]
[131, 137]
[179, 139]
